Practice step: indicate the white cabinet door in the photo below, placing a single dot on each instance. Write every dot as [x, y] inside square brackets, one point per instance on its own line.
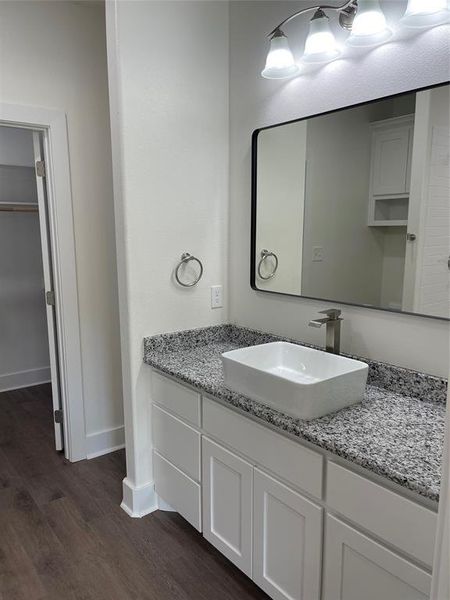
[227, 504]
[390, 161]
[356, 567]
[287, 531]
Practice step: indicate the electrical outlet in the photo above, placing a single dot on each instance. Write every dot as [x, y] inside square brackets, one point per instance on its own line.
[317, 254]
[216, 296]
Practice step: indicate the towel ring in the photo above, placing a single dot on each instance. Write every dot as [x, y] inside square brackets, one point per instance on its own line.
[264, 255]
[185, 258]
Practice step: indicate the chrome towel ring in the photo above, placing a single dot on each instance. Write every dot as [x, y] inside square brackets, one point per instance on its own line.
[265, 254]
[185, 258]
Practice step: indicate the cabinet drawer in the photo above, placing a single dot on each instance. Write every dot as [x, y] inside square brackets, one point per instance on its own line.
[397, 520]
[287, 459]
[177, 442]
[178, 490]
[177, 398]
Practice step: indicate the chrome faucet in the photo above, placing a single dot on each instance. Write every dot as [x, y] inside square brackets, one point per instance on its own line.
[333, 325]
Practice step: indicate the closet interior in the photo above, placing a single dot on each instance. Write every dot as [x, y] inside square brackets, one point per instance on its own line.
[24, 344]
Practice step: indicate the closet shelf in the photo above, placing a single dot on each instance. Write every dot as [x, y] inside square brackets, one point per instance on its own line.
[389, 223]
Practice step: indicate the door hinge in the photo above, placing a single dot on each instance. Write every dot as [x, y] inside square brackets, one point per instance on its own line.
[50, 298]
[58, 416]
[40, 168]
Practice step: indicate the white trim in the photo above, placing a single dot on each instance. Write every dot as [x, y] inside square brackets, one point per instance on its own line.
[24, 379]
[440, 585]
[139, 465]
[162, 505]
[54, 127]
[139, 501]
[103, 442]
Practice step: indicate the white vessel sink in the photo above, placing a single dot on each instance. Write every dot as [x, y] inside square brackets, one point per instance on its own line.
[299, 381]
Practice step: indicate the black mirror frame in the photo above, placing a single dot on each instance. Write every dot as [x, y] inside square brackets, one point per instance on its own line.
[254, 160]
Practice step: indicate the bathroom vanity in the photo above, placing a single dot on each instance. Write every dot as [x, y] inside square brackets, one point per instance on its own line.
[315, 485]
[337, 508]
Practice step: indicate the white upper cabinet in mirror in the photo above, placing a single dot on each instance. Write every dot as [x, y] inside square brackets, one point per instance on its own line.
[353, 206]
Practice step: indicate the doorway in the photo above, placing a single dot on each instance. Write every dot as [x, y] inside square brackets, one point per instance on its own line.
[38, 283]
[28, 346]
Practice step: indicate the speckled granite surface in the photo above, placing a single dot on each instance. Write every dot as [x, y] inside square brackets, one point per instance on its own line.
[396, 432]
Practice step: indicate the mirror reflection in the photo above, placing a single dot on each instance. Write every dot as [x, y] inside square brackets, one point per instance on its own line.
[353, 206]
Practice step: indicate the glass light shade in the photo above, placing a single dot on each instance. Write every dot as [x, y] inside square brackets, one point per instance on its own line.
[425, 13]
[280, 63]
[320, 45]
[369, 27]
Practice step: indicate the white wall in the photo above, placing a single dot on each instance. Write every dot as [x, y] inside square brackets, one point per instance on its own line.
[168, 69]
[54, 56]
[414, 342]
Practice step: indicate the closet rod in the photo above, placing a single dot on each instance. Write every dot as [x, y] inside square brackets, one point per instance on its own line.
[17, 208]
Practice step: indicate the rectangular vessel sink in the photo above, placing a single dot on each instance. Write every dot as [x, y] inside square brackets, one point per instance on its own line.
[299, 381]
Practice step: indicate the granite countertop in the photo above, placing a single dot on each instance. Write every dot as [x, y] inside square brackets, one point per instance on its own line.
[396, 432]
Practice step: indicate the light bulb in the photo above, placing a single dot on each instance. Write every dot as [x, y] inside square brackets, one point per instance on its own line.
[369, 27]
[320, 45]
[425, 13]
[280, 63]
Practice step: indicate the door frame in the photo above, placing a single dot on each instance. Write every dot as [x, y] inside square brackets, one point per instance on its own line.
[417, 209]
[53, 125]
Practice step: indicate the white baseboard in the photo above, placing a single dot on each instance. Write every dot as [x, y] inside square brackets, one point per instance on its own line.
[139, 501]
[103, 442]
[23, 379]
[162, 505]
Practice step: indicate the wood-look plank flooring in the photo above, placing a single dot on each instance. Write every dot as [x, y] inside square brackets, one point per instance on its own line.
[63, 535]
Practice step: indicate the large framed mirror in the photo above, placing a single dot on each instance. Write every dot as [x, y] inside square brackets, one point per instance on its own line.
[353, 205]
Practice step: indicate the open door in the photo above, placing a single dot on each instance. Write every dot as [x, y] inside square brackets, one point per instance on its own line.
[417, 201]
[426, 287]
[49, 288]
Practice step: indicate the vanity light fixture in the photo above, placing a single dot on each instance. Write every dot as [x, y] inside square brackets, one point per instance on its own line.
[369, 26]
[363, 18]
[425, 13]
[320, 45]
[280, 63]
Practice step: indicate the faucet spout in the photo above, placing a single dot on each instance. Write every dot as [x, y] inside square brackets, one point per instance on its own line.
[333, 326]
[318, 322]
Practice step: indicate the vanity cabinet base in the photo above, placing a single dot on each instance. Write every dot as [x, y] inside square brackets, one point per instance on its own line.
[259, 499]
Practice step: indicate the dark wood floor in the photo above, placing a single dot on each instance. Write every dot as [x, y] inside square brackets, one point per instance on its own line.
[63, 535]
